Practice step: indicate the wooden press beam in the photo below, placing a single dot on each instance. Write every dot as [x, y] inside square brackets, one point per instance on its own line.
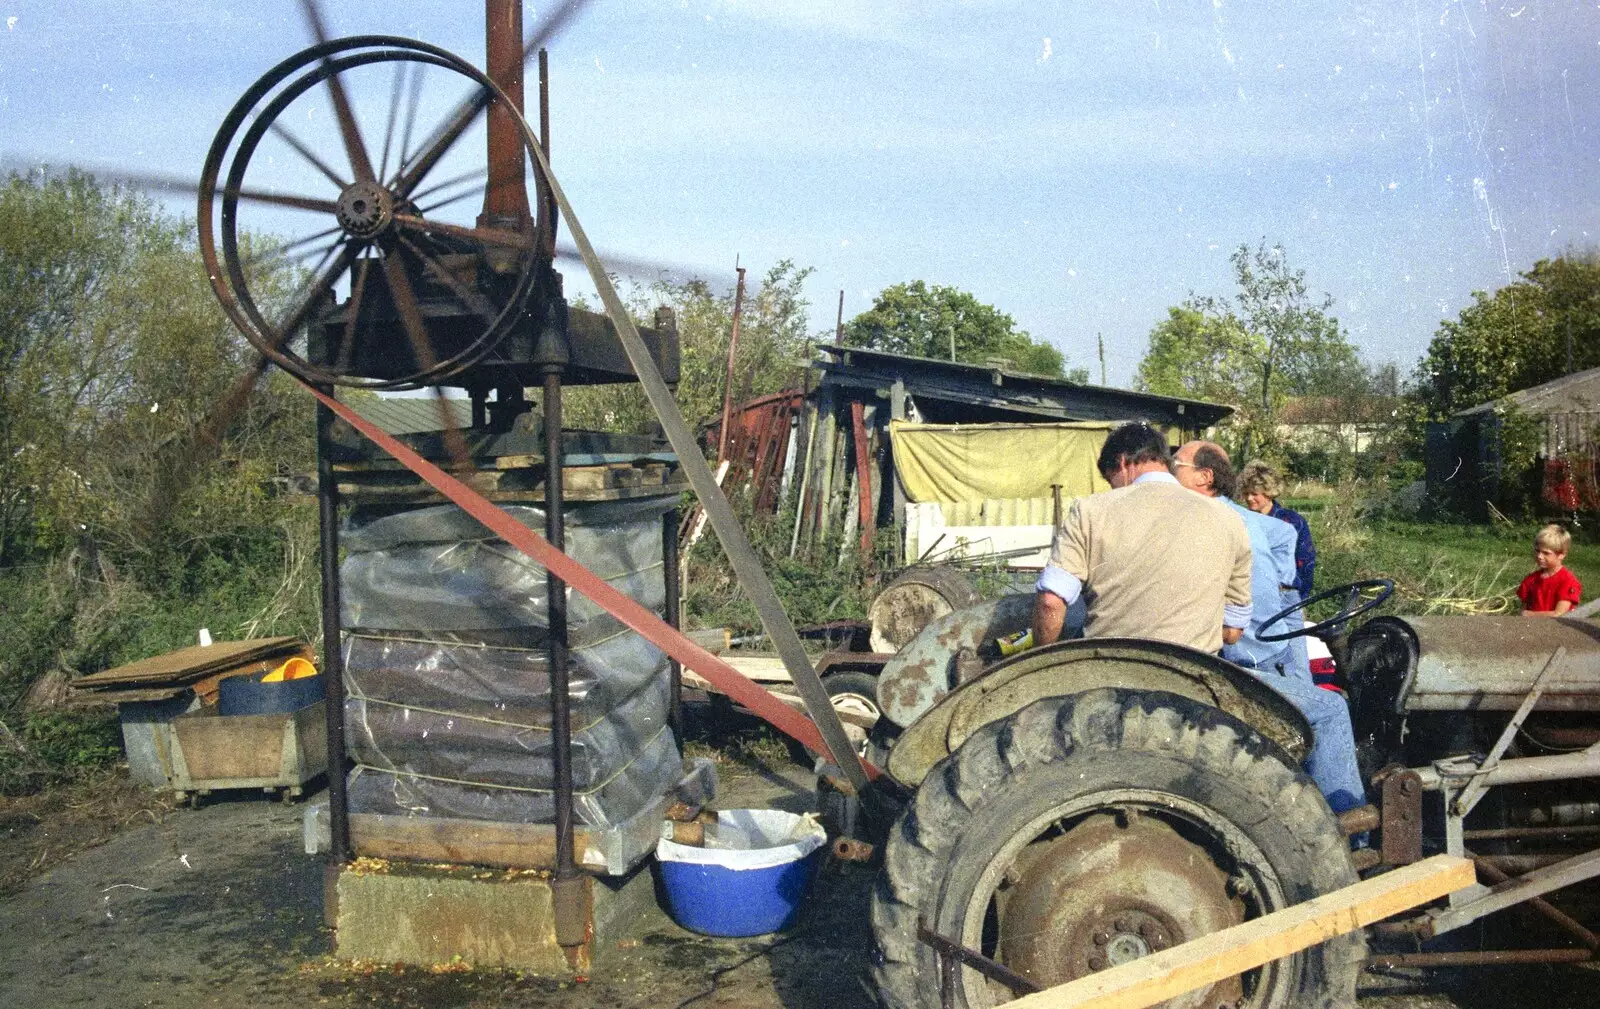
[1200, 962]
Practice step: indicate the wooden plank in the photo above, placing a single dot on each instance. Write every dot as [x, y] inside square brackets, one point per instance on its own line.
[208, 687]
[858, 432]
[1211, 958]
[459, 842]
[763, 668]
[187, 664]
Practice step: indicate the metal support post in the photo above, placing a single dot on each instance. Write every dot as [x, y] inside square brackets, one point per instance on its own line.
[505, 198]
[571, 910]
[547, 203]
[727, 382]
[669, 560]
[332, 645]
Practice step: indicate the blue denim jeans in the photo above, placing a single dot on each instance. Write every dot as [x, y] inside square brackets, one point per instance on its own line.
[1332, 761]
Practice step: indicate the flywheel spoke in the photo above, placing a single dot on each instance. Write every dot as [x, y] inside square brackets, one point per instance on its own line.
[306, 152]
[468, 297]
[358, 287]
[354, 146]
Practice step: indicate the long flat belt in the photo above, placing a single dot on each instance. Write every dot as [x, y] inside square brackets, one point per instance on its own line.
[655, 630]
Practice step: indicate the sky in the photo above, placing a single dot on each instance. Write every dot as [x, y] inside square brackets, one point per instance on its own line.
[1081, 166]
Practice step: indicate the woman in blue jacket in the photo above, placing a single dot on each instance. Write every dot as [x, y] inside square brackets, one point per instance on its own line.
[1260, 487]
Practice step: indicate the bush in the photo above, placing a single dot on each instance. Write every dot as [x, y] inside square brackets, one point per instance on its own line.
[54, 747]
[829, 584]
[80, 613]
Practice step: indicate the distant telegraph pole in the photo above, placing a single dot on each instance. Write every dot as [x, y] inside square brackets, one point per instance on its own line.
[733, 347]
[838, 328]
[1102, 342]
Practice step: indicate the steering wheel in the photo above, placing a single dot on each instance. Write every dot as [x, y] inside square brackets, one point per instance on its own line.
[1354, 605]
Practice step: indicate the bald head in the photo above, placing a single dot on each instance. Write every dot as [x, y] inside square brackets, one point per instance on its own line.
[1203, 466]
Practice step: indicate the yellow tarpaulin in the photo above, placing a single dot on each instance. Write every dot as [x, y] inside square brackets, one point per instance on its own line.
[971, 462]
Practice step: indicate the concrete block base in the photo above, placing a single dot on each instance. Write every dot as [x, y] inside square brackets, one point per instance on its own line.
[398, 912]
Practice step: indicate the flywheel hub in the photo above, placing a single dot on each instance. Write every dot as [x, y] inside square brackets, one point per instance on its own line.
[365, 209]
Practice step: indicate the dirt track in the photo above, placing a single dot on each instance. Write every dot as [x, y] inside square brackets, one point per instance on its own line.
[220, 906]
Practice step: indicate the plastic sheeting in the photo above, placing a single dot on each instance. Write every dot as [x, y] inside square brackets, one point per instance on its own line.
[610, 802]
[437, 569]
[974, 462]
[448, 708]
[492, 681]
[750, 839]
[511, 750]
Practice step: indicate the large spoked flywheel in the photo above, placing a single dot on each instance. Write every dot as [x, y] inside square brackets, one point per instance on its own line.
[339, 215]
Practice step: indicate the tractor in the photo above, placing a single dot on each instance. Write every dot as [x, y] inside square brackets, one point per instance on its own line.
[1075, 807]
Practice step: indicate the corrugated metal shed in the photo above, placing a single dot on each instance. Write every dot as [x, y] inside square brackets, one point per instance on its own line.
[413, 414]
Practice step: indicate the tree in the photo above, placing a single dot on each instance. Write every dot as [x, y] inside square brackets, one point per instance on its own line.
[1527, 333]
[773, 335]
[1299, 349]
[949, 324]
[1195, 355]
[1269, 341]
[112, 349]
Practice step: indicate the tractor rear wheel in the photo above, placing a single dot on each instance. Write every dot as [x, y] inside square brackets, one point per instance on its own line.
[1086, 831]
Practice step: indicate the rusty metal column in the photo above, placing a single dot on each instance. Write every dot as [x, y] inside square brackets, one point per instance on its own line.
[567, 890]
[669, 561]
[547, 203]
[505, 198]
[332, 646]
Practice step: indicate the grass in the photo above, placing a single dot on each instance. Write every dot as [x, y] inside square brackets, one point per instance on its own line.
[737, 742]
[1437, 567]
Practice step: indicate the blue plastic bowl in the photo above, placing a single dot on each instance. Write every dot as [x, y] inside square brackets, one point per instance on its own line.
[726, 900]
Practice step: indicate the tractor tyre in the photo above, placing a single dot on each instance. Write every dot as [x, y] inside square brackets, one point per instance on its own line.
[1082, 832]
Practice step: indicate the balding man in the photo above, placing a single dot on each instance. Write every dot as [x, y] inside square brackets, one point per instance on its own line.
[1203, 467]
[1150, 559]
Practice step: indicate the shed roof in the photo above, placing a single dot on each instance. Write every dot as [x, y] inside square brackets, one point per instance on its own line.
[976, 392]
[1578, 392]
[412, 414]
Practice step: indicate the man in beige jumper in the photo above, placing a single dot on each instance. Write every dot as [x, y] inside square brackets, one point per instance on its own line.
[1151, 559]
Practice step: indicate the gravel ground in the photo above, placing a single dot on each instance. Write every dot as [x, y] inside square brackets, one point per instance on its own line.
[220, 906]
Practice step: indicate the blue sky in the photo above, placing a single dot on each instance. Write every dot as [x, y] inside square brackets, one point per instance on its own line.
[1082, 166]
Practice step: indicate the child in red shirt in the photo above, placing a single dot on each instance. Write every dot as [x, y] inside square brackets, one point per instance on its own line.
[1551, 590]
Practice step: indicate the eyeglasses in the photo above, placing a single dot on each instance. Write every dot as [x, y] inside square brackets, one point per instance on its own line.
[1179, 462]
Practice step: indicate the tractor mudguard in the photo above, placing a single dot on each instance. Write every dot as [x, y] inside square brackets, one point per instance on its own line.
[1073, 667]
